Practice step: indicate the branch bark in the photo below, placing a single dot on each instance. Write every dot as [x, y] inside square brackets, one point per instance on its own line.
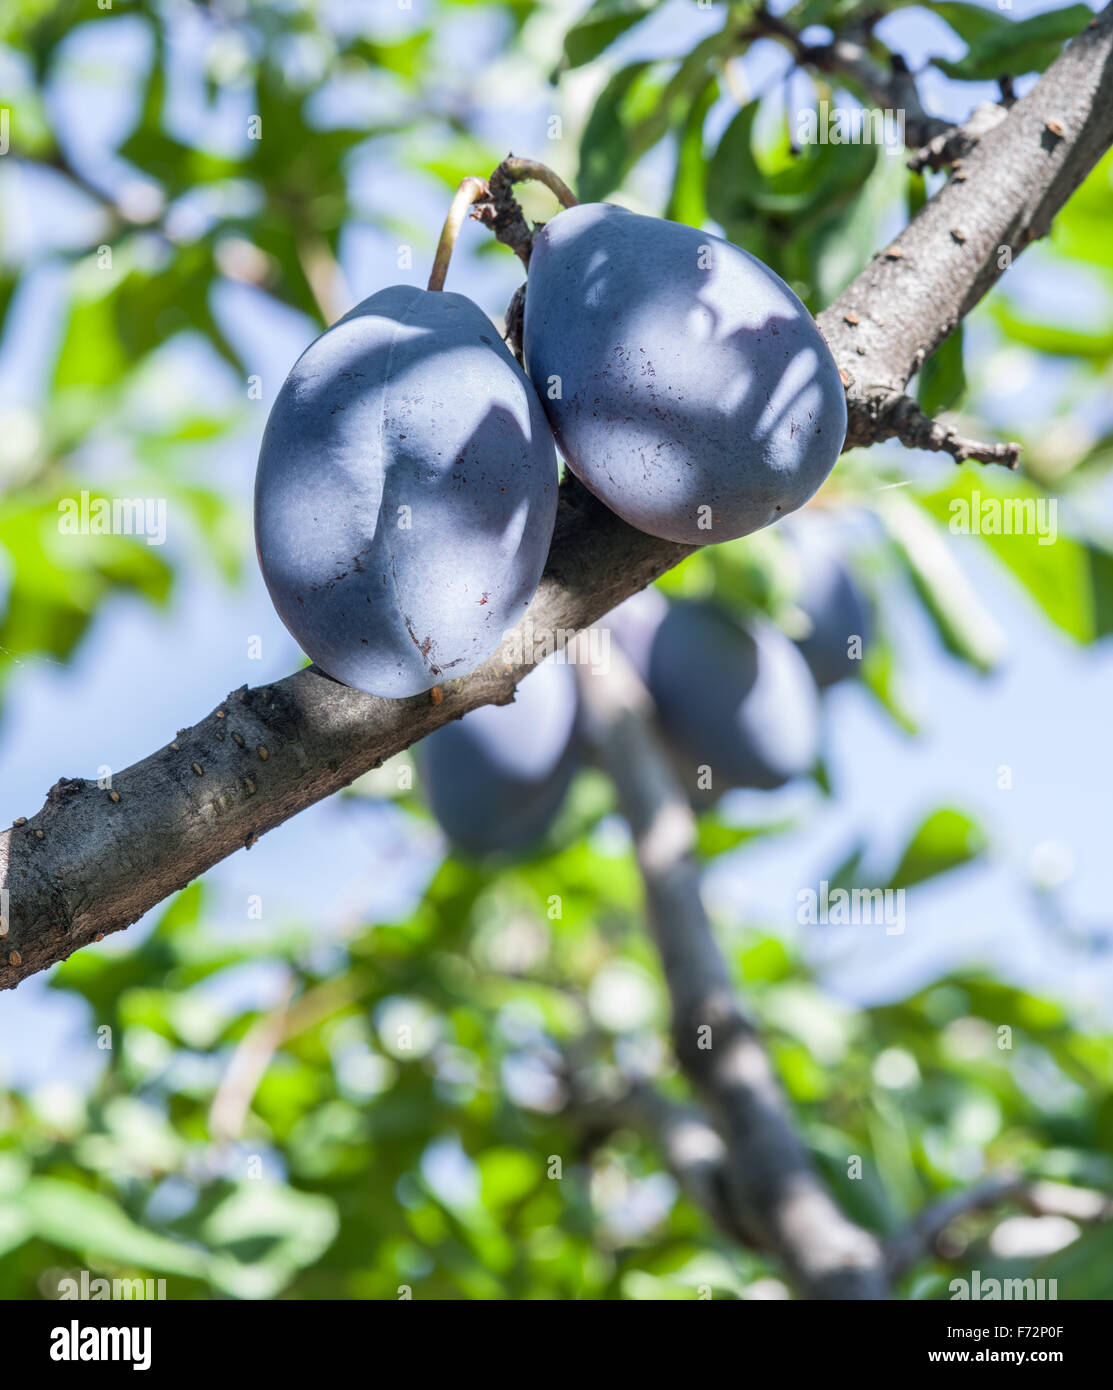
[771, 1191]
[93, 860]
[914, 294]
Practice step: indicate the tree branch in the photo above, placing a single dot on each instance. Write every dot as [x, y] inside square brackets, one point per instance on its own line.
[921, 1237]
[911, 297]
[691, 1147]
[94, 859]
[771, 1191]
[848, 55]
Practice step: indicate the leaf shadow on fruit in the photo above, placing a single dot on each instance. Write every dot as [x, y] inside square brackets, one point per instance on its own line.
[671, 395]
[410, 496]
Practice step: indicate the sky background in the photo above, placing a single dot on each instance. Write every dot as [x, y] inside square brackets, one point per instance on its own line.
[141, 674]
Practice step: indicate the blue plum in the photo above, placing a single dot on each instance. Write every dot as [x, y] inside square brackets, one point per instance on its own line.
[737, 700]
[496, 779]
[406, 493]
[834, 605]
[687, 385]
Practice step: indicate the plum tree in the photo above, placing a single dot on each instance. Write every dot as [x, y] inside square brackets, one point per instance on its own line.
[687, 385]
[496, 779]
[838, 615]
[736, 700]
[406, 493]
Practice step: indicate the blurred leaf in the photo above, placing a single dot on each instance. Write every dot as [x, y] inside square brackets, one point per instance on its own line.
[964, 625]
[942, 378]
[634, 111]
[1081, 230]
[607, 149]
[1017, 522]
[92, 1225]
[686, 201]
[507, 1175]
[1082, 1268]
[1096, 347]
[881, 676]
[971, 22]
[1007, 46]
[604, 22]
[945, 840]
[263, 1232]
[715, 837]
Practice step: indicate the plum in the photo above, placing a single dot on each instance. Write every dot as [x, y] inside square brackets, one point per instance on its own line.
[496, 779]
[406, 493]
[736, 699]
[687, 386]
[834, 606]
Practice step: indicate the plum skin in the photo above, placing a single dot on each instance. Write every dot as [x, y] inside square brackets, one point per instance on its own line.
[694, 394]
[737, 699]
[408, 409]
[496, 779]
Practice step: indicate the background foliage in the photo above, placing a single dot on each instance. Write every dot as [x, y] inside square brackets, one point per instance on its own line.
[276, 1141]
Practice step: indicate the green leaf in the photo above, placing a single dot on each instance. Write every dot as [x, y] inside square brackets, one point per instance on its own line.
[600, 26]
[634, 111]
[734, 177]
[881, 675]
[1081, 229]
[945, 840]
[970, 22]
[1082, 1268]
[997, 45]
[1101, 585]
[507, 1175]
[1015, 520]
[715, 836]
[91, 1224]
[942, 381]
[606, 148]
[964, 625]
[686, 201]
[263, 1233]
[776, 205]
[1096, 347]
[91, 355]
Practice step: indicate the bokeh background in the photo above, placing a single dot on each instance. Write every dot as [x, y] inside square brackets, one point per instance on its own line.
[216, 1096]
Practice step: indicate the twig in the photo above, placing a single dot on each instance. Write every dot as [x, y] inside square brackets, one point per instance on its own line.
[1041, 1198]
[1020, 173]
[956, 141]
[923, 1234]
[904, 420]
[773, 1191]
[502, 213]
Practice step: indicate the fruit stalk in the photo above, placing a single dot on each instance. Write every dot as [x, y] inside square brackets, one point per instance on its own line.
[518, 170]
[471, 190]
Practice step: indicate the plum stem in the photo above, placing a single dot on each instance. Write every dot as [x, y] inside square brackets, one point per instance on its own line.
[471, 191]
[520, 170]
